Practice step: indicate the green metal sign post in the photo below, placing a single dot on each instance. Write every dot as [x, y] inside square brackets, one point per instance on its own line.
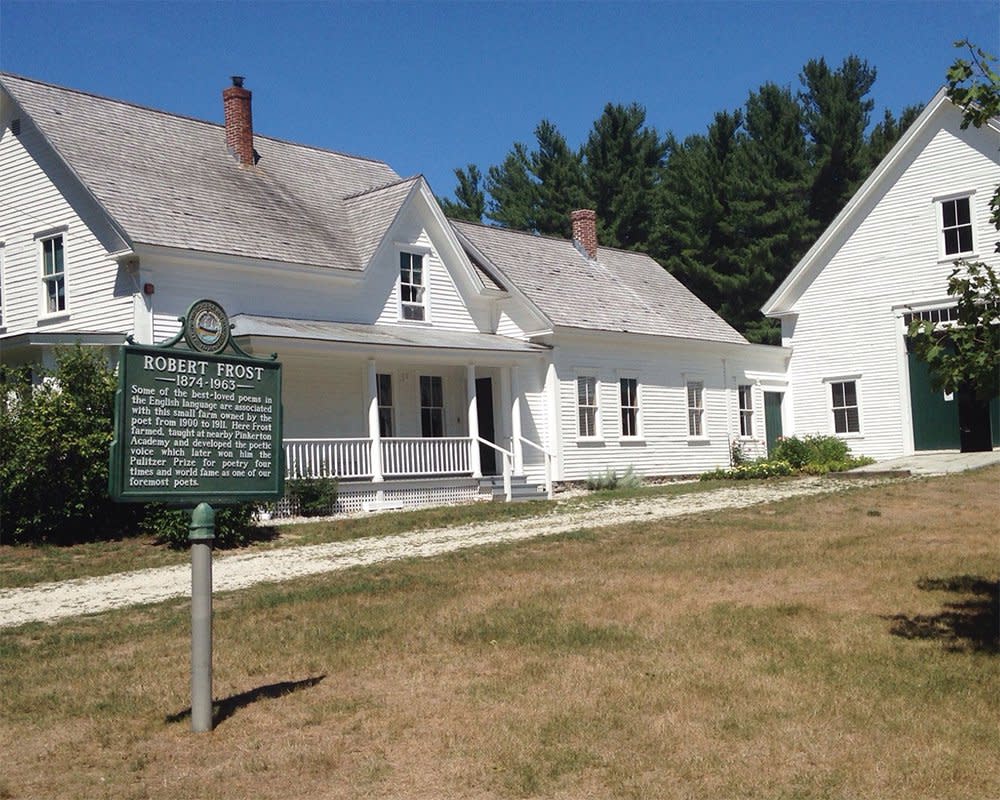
[195, 426]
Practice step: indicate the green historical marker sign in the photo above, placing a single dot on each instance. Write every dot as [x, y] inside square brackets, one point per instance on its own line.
[193, 425]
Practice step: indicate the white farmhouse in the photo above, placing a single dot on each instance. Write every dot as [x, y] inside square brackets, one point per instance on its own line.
[845, 307]
[419, 354]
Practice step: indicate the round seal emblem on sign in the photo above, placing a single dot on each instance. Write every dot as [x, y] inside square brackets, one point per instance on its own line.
[206, 328]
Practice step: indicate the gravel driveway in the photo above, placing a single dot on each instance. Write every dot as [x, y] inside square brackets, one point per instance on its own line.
[52, 601]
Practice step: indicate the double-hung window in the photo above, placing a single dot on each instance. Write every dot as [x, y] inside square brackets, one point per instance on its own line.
[412, 287]
[628, 389]
[746, 410]
[383, 390]
[53, 275]
[844, 402]
[2, 286]
[586, 395]
[696, 408]
[431, 406]
[956, 225]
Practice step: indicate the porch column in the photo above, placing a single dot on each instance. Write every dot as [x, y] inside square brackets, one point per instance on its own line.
[515, 419]
[373, 430]
[470, 389]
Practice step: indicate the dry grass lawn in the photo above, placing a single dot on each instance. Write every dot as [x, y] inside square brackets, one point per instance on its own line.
[824, 647]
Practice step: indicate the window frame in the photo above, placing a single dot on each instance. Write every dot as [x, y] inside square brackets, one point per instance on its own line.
[702, 418]
[42, 238]
[594, 407]
[746, 413]
[635, 408]
[411, 252]
[3, 287]
[833, 409]
[433, 410]
[942, 228]
[389, 419]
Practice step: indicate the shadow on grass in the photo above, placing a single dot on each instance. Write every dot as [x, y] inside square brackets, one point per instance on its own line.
[225, 708]
[971, 624]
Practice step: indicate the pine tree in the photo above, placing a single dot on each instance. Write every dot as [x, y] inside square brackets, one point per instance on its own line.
[769, 190]
[624, 165]
[693, 235]
[470, 199]
[836, 115]
[536, 191]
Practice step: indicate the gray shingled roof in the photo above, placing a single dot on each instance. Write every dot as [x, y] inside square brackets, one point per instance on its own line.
[373, 211]
[169, 180]
[378, 335]
[620, 291]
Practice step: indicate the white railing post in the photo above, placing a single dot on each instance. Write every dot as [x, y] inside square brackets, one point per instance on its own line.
[470, 388]
[515, 421]
[506, 477]
[374, 434]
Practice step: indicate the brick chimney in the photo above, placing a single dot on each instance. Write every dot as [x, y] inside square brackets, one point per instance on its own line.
[239, 121]
[585, 231]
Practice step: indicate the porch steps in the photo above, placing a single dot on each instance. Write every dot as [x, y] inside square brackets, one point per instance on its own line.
[520, 490]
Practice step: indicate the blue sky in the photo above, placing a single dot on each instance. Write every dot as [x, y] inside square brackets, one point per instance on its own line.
[431, 86]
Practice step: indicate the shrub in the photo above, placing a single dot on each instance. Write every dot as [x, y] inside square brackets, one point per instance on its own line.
[610, 479]
[315, 497]
[55, 436]
[234, 525]
[816, 454]
[751, 471]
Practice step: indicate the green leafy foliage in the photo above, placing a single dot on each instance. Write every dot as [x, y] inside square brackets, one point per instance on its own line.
[975, 86]
[55, 434]
[755, 470]
[812, 455]
[966, 354]
[313, 497]
[234, 525]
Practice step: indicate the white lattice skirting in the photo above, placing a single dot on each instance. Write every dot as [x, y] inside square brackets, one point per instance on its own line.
[396, 495]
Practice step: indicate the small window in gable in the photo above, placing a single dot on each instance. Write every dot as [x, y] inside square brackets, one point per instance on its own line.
[412, 287]
[53, 275]
[956, 226]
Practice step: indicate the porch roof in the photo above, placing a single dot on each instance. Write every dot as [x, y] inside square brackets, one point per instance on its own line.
[379, 335]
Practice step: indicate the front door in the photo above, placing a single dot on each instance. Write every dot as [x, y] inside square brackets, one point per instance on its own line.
[484, 404]
[772, 419]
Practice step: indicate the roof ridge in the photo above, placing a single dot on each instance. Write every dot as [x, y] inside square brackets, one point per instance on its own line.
[185, 117]
[373, 189]
[549, 236]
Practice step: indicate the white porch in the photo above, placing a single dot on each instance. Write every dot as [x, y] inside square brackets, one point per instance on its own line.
[441, 406]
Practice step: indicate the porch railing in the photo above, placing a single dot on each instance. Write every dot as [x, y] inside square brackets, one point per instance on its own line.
[548, 464]
[328, 458]
[447, 455]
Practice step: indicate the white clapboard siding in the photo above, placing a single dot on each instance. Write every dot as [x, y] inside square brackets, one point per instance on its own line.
[847, 321]
[664, 447]
[38, 194]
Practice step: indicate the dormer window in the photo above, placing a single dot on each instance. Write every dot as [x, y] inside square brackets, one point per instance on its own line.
[412, 288]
